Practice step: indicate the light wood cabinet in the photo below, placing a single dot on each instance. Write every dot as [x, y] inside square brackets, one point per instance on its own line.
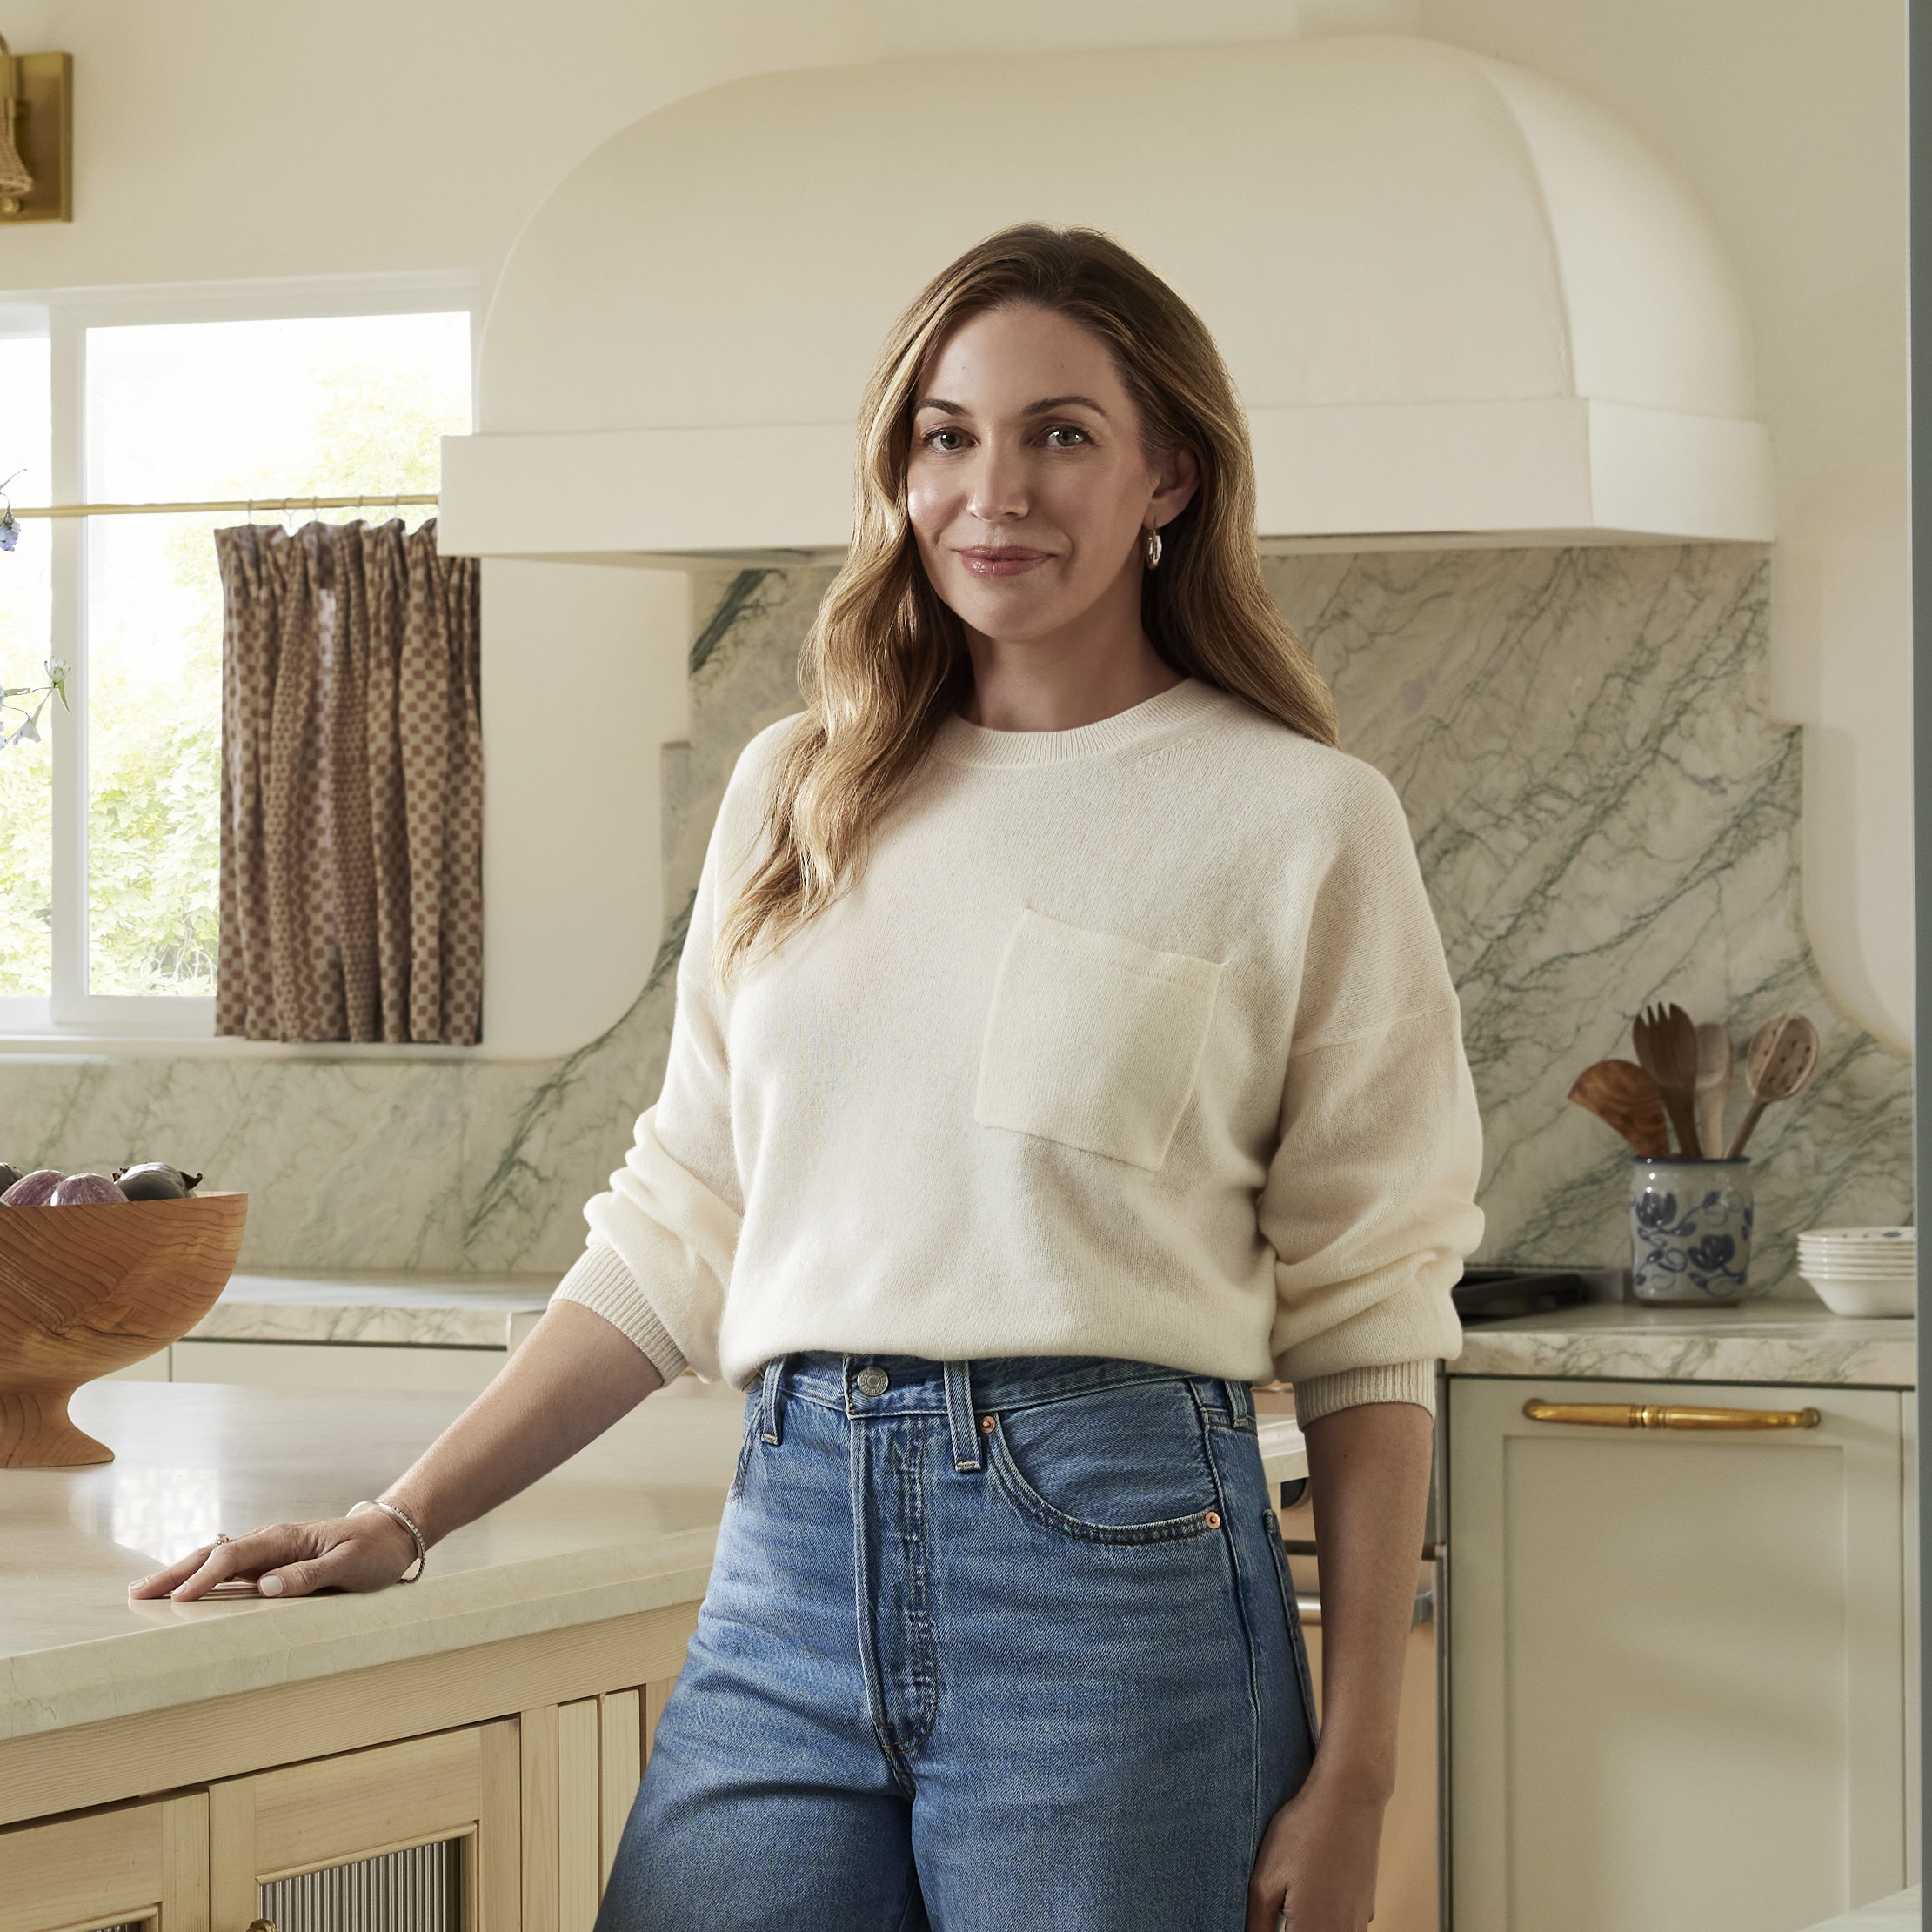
[1677, 1661]
[131, 1862]
[462, 1785]
[529, 1807]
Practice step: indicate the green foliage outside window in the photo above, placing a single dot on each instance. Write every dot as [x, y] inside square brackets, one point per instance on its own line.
[155, 745]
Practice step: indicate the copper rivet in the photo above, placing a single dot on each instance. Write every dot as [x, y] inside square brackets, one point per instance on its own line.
[1212, 1518]
[987, 1425]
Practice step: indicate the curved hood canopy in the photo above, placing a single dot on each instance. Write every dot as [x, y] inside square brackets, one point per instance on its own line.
[1461, 303]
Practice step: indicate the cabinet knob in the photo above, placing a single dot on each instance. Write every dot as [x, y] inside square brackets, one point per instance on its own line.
[261, 1925]
[1648, 1415]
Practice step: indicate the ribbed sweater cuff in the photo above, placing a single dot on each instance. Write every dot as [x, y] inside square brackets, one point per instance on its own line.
[602, 1283]
[1407, 1381]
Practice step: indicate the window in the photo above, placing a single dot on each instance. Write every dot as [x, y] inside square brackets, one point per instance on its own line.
[109, 823]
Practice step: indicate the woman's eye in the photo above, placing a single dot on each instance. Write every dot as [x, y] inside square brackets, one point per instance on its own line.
[946, 441]
[1065, 436]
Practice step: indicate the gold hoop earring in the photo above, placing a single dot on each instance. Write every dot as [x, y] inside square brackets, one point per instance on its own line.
[1154, 550]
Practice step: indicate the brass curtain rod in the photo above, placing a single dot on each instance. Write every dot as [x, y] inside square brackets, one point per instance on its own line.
[273, 506]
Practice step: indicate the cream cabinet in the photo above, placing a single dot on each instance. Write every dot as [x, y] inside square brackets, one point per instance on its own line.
[1677, 1660]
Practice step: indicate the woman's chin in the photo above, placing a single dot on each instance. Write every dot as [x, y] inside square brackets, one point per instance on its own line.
[1009, 611]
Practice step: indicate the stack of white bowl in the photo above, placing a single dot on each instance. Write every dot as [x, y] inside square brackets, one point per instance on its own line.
[1862, 1271]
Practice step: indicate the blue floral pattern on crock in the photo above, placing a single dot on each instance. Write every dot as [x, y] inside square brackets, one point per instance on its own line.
[1698, 1249]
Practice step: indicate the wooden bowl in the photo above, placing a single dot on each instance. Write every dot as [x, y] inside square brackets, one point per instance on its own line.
[87, 1289]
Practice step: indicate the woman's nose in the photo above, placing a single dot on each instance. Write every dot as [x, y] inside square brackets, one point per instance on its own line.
[998, 492]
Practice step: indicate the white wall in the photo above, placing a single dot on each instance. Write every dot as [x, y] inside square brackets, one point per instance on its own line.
[1789, 117]
[583, 682]
[232, 138]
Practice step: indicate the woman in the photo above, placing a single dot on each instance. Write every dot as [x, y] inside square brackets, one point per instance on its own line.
[1063, 1044]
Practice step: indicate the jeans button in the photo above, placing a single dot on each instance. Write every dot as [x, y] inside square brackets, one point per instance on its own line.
[871, 1381]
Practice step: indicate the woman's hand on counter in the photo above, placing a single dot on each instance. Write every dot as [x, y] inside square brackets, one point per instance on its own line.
[364, 1552]
[574, 1376]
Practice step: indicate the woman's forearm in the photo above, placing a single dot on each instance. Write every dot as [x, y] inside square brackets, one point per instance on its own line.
[573, 1378]
[1369, 1467]
[574, 1375]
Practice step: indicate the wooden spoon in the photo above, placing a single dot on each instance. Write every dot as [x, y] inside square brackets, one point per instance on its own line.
[1783, 1056]
[1621, 1092]
[1666, 1039]
[1714, 1082]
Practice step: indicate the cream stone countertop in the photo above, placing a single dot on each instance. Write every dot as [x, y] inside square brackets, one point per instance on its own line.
[1760, 1341]
[627, 1525]
[445, 1311]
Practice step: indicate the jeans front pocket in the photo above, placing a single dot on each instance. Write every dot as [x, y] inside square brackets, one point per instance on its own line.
[1117, 1466]
[1094, 1041]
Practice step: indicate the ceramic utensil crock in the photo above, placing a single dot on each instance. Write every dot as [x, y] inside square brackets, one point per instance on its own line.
[1690, 1230]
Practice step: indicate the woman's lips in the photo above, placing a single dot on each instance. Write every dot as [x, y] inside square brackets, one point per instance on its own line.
[1003, 560]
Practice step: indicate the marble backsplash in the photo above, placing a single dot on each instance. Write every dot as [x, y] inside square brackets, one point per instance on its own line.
[1605, 817]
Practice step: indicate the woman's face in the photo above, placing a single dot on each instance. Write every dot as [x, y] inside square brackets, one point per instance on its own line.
[1028, 487]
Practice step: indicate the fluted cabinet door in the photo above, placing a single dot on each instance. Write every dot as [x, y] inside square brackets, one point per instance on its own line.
[422, 1837]
[143, 1864]
[1677, 1661]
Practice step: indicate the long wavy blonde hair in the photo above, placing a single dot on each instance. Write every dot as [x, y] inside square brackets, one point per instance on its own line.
[886, 662]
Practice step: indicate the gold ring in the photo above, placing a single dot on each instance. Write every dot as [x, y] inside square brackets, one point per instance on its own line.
[222, 1536]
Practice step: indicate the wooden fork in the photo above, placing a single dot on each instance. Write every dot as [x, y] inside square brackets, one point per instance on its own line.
[1666, 1039]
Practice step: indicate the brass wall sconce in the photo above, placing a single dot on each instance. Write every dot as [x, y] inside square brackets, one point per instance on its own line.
[36, 135]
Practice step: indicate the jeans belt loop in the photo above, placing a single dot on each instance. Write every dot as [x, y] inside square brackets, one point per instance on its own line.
[960, 1419]
[1240, 1401]
[771, 1407]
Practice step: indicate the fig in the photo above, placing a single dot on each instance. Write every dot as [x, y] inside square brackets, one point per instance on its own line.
[8, 1176]
[85, 1191]
[156, 1181]
[34, 1190]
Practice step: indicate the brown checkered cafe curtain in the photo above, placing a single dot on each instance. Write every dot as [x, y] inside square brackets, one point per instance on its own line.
[351, 834]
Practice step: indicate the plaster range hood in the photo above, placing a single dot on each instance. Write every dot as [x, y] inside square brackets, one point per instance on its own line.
[1462, 302]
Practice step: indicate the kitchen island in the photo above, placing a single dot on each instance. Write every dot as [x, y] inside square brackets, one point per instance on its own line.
[503, 1705]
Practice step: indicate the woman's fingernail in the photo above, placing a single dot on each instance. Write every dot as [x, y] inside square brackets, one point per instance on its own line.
[270, 1586]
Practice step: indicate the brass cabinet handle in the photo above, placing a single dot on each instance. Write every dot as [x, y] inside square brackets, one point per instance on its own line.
[261, 1925]
[1648, 1415]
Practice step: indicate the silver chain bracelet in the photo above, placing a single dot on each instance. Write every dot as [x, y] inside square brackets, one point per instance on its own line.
[415, 1537]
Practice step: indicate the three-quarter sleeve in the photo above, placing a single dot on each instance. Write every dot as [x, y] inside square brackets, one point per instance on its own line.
[1369, 1202]
[661, 1240]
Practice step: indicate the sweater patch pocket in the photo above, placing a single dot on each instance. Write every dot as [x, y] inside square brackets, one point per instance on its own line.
[1094, 1041]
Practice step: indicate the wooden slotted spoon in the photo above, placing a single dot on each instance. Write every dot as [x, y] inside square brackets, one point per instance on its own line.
[1621, 1092]
[1666, 1039]
[1782, 1058]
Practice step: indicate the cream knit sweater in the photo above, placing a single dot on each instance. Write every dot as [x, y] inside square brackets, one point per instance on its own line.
[1132, 1040]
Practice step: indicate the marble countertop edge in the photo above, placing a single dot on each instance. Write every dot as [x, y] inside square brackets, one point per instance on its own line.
[1793, 1344]
[428, 1311]
[219, 1649]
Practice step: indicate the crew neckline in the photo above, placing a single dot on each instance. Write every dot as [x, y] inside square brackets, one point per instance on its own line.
[962, 742]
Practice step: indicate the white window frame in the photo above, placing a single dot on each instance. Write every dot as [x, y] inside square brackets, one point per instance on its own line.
[71, 1013]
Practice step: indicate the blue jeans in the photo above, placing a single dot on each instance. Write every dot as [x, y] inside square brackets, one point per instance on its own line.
[1007, 1647]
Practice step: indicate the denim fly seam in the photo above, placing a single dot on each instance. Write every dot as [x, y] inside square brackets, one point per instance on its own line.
[892, 1597]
